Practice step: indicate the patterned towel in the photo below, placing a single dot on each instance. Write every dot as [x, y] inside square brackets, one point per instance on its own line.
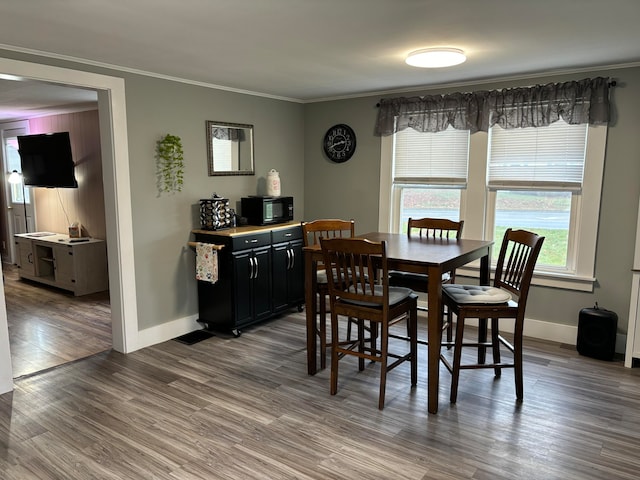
[206, 263]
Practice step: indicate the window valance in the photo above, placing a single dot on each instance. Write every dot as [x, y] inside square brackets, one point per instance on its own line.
[584, 101]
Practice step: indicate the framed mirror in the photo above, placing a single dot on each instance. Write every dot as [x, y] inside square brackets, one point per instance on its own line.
[229, 148]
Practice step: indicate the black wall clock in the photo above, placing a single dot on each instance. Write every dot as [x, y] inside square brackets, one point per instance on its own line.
[339, 143]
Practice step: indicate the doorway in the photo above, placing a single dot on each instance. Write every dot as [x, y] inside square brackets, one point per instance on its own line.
[17, 201]
[50, 326]
[114, 148]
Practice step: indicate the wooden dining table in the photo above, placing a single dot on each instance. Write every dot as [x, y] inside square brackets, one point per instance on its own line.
[431, 256]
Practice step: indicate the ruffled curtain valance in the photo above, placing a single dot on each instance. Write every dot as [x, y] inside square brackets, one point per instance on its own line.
[584, 101]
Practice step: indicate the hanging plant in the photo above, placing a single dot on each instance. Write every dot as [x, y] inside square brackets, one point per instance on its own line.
[170, 164]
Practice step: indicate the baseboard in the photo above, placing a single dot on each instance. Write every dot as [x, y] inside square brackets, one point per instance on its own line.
[554, 332]
[167, 331]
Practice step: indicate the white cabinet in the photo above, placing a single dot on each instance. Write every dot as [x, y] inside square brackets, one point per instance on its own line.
[24, 254]
[632, 352]
[56, 260]
[633, 331]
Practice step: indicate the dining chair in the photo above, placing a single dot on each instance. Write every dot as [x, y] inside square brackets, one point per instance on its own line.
[356, 292]
[507, 298]
[434, 228]
[312, 231]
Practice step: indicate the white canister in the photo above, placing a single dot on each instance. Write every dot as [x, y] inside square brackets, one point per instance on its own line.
[273, 183]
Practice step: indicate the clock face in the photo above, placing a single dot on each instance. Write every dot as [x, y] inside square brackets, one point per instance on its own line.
[339, 143]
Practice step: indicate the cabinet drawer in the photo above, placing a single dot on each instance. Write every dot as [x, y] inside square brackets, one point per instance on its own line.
[286, 234]
[251, 241]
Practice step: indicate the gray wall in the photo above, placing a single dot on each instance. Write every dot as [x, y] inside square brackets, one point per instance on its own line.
[165, 266]
[350, 190]
[288, 137]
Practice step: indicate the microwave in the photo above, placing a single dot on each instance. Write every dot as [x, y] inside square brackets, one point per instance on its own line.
[267, 210]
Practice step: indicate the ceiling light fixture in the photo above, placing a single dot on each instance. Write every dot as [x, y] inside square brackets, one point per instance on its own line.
[436, 57]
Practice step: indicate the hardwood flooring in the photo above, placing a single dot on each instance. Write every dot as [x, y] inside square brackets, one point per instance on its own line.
[245, 408]
[49, 327]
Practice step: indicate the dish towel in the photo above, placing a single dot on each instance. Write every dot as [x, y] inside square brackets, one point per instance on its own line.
[206, 262]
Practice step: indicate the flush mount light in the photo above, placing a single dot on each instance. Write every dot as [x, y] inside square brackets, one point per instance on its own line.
[436, 57]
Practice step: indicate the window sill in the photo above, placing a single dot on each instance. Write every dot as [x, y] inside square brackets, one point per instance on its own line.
[567, 282]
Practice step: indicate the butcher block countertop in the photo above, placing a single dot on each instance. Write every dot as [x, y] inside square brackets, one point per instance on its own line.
[246, 229]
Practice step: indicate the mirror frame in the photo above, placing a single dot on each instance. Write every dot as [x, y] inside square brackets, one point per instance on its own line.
[210, 124]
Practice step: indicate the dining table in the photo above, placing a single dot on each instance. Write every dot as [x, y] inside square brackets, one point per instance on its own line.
[415, 254]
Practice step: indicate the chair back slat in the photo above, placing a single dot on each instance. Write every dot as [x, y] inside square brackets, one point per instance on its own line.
[516, 261]
[435, 227]
[351, 269]
[327, 228]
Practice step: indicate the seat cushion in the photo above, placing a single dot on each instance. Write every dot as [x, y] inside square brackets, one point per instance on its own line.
[476, 294]
[321, 277]
[396, 295]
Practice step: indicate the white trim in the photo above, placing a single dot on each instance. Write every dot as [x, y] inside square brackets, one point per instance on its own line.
[167, 331]
[587, 222]
[113, 132]
[6, 371]
[386, 175]
[476, 192]
[543, 330]
[567, 282]
[477, 199]
[633, 346]
[30, 51]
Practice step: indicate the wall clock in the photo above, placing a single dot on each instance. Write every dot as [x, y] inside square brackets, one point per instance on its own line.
[339, 143]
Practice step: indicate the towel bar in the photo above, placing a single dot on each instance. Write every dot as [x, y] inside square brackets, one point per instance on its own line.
[217, 247]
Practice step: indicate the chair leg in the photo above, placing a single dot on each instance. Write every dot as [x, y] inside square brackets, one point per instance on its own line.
[323, 331]
[384, 347]
[495, 345]
[457, 357]
[334, 354]
[360, 342]
[482, 338]
[449, 329]
[517, 359]
[413, 336]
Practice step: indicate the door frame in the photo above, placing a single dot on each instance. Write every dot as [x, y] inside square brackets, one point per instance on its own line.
[117, 196]
[14, 212]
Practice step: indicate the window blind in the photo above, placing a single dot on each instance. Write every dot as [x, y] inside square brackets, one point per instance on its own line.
[549, 157]
[431, 158]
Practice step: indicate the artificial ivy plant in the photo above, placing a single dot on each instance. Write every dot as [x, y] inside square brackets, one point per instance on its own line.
[170, 164]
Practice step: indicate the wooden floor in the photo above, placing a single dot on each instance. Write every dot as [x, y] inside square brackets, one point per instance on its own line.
[49, 327]
[245, 408]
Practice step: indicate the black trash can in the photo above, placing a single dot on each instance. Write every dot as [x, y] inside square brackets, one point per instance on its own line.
[597, 329]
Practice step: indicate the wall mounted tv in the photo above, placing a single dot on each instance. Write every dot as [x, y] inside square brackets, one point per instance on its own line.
[46, 160]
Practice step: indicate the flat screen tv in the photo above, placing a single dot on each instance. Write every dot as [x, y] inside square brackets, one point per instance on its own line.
[46, 160]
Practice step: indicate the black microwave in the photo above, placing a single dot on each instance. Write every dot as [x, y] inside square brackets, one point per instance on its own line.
[267, 210]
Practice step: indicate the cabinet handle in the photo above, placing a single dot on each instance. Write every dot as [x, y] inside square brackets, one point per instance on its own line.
[256, 273]
[293, 259]
[288, 234]
[30, 257]
[288, 259]
[251, 268]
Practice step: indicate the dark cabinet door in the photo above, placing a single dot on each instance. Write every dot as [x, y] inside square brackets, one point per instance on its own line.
[262, 283]
[242, 273]
[288, 275]
[296, 274]
[281, 261]
[252, 273]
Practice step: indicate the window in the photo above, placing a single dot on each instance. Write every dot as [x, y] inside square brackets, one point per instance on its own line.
[429, 172]
[535, 179]
[545, 179]
[12, 162]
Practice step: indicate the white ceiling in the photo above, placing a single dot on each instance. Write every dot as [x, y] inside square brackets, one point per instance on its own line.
[307, 50]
